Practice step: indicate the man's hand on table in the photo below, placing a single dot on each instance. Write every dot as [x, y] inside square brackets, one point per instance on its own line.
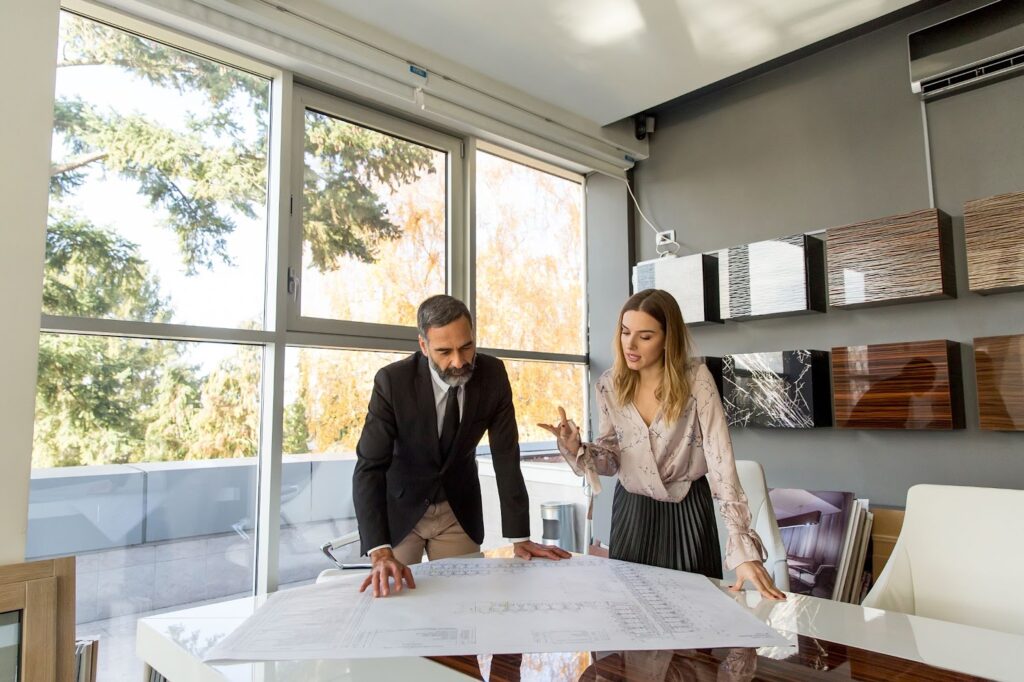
[385, 568]
[527, 550]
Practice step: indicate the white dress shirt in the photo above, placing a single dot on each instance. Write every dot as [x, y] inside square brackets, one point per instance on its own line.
[440, 396]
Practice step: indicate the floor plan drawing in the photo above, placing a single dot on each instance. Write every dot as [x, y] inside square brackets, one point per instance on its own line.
[480, 606]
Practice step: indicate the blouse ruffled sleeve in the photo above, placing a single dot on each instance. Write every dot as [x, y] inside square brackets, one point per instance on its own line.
[743, 544]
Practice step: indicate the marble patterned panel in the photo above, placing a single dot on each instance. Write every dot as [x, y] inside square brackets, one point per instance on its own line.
[911, 385]
[692, 280]
[999, 368]
[783, 276]
[994, 235]
[783, 389]
[898, 259]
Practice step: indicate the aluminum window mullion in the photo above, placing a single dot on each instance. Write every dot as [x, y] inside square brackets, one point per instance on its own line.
[268, 489]
[462, 252]
[61, 324]
[536, 356]
[344, 342]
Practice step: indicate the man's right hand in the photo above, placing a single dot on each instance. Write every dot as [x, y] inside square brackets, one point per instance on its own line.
[385, 568]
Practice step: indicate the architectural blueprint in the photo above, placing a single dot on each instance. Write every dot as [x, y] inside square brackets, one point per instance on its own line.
[477, 606]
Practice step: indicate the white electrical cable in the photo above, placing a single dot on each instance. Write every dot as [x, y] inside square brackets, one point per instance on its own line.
[657, 247]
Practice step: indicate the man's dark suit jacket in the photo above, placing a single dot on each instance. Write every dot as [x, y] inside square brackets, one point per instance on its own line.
[399, 464]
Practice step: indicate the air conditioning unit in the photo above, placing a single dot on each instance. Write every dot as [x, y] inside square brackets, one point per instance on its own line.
[969, 50]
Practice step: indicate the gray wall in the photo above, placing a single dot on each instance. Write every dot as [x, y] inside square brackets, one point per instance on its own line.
[607, 289]
[835, 138]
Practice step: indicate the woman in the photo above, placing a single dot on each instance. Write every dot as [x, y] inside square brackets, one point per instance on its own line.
[663, 431]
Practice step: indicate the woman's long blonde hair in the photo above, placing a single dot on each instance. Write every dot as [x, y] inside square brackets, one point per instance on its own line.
[674, 390]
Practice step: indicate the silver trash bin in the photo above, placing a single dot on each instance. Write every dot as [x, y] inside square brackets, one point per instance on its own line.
[559, 521]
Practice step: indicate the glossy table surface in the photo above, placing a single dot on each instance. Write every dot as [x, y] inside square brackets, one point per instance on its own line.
[829, 640]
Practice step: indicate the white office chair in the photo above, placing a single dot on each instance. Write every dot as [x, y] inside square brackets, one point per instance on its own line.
[762, 520]
[957, 557]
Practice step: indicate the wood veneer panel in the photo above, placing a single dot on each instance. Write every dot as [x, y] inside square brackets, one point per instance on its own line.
[999, 369]
[39, 645]
[897, 259]
[18, 573]
[64, 572]
[994, 235]
[912, 385]
[692, 280]
[781, 389]
[784, 276]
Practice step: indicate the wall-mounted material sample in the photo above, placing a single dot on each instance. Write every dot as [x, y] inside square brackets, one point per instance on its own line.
[692, 280]
[787, 389]
[911, 385]
[783, 276]
[999, 368]
[994, 235]
[898, 259]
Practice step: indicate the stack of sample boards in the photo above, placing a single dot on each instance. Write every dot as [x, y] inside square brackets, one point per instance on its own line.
[826, 534]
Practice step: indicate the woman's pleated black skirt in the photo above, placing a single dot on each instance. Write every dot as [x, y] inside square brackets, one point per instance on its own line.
[679, 535]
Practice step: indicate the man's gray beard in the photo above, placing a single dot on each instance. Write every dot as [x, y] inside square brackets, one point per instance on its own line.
[447, 375]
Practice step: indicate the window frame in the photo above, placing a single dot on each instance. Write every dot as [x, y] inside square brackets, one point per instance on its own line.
[284, 327]
[308, 99]
[528, 448]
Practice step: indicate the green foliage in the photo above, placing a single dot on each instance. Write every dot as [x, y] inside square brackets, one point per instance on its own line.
[296, 428]
[342, 214]
[169, 424]
[113, 400]
[227, 423]
[94, 397]
[92, 272]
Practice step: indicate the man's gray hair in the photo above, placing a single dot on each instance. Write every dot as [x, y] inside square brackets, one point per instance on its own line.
[440, 310]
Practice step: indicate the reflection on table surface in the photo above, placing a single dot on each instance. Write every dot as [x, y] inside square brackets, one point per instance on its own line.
[812, 659]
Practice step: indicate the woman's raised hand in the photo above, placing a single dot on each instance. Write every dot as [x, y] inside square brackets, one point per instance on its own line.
[565, 431]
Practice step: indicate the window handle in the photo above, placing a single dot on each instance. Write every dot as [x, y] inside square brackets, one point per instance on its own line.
[293, 284]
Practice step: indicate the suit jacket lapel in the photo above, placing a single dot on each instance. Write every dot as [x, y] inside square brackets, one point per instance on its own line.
[427, 408]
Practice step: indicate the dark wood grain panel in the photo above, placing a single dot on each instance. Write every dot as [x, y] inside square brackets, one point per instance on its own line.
[897, 259]
[814, 659]
[999, 368]
[782, 389]
[994, 234]
[912, 385]
[784, 276]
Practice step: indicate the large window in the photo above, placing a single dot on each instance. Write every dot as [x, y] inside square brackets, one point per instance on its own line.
[219, 293]
[530, 285]
[373, 218]
[151, 364]
[158, 183]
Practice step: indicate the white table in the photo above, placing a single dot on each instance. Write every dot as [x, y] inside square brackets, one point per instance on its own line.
[173, 643]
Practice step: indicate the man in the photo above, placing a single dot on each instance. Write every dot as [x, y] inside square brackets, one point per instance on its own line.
[415, 483]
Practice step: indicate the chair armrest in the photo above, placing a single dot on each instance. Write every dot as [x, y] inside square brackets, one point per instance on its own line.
[338, 543]
[894, 589]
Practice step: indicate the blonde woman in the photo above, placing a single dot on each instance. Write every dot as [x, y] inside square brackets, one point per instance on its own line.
[663, 431]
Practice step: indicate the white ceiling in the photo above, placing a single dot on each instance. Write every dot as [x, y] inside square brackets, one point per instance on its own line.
[608, 59]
